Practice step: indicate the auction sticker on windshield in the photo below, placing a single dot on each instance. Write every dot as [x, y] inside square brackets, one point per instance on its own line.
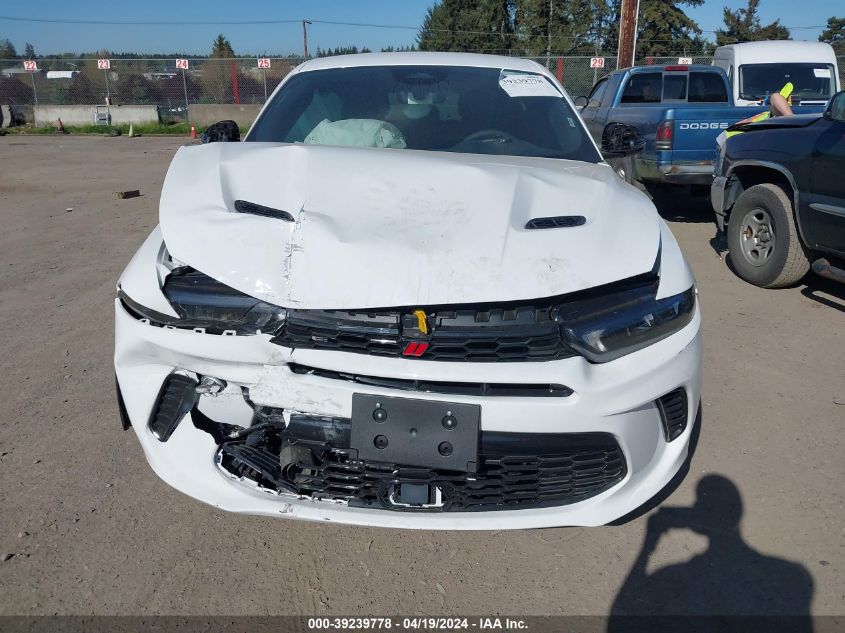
[526, 85]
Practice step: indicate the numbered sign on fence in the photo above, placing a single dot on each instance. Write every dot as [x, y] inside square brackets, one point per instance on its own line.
[685, 61]
[104, 64]
[264, 62]
[30, 65]
[597, 62]
[182, 64]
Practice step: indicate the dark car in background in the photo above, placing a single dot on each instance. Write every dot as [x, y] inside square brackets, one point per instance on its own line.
[779, 195]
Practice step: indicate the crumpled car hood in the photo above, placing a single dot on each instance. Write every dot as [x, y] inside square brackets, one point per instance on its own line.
[382, 228]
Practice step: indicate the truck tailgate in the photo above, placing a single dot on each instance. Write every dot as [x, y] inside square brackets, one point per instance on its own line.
[695, 129]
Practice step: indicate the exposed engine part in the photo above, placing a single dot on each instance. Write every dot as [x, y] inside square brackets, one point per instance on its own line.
[311, 458]
[210, 386]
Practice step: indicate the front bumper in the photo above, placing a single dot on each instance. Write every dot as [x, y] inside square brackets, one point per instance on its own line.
[616, 398]
[717, 199]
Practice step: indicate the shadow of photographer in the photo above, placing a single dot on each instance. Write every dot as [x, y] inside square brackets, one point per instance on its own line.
[729, 579]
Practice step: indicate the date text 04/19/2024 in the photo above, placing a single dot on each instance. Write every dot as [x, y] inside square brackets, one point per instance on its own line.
[417, 623]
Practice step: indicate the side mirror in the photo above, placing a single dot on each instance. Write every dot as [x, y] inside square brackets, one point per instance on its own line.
[621, 139]
[222, 132]
[580, 102]
[835, 110]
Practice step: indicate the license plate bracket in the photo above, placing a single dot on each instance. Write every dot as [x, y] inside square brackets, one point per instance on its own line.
[411, 432]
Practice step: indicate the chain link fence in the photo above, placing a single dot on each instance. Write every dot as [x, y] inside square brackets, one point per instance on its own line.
[170, 84]
[173, 84]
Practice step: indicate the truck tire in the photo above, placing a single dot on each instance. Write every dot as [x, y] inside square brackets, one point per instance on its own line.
[763, 241]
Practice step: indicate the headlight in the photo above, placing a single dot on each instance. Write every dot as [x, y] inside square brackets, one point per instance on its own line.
[205, 304]
[605, 327]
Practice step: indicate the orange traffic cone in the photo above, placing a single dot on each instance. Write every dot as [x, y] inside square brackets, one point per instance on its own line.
[193, 131]
[59, 127]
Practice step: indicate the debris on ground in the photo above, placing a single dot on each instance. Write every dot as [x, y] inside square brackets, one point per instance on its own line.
[132, 193]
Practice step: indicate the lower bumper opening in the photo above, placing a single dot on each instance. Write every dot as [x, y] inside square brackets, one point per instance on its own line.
[310, 457]
[673, 413]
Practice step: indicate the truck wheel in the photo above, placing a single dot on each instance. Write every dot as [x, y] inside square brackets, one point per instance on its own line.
[763, 241]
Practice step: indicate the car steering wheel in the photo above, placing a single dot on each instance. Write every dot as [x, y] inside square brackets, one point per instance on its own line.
[489, 136]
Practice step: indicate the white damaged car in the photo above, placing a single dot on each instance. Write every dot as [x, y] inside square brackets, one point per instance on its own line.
[414, 296]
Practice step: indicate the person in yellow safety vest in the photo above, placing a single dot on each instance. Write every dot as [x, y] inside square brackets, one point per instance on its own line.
[779, 105]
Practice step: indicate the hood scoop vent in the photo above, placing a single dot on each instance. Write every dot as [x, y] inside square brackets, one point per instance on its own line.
[556, 222]
[243, 206]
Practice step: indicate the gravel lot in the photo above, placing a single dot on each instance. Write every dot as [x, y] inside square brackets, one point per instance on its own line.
[87, 528]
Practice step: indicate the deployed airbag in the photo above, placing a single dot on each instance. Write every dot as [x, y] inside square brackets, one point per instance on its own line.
[356, 133]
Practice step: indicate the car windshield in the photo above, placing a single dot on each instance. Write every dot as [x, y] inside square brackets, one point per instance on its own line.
[812, 82]
[438, 108]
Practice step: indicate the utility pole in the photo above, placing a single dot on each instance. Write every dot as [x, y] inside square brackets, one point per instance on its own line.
[549, 34]
[628, 33]
[305, 24]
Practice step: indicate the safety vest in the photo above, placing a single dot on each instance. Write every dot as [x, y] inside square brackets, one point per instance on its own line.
[785, 92]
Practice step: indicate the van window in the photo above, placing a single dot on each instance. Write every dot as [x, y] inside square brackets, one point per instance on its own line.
[675, 87]
[810, 81]
[643, 88]
[706, 88]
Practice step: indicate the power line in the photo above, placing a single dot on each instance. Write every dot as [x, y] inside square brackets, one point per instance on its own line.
[260, 22]
[143, 22]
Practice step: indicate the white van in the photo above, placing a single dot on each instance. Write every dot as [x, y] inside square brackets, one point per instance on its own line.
[757, 69]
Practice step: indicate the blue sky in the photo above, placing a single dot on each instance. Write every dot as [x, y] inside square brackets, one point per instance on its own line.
[287, 38]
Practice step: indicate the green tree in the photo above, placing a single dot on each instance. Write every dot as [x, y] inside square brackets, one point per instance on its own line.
[545, 27]
[743, 25]
[222, 48]
[80, 90]
[664, 29]
[217, 74]
[7, 50]
[468, 25]
[834, 34]
[29, 51]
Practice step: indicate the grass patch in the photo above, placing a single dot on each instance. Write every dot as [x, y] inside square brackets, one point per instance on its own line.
[183, 129]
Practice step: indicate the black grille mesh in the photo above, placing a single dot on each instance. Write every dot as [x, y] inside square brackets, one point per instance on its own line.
[481, 336]
[591, 464]
[556, 222]
[673, 413]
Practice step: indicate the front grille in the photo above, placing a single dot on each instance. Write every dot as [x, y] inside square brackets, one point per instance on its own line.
[516, 471]
[522, 333]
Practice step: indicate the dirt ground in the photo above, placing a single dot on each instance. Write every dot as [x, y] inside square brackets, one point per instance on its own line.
[87, 528]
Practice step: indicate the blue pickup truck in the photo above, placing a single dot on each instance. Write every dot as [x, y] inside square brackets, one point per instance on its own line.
[679, 111]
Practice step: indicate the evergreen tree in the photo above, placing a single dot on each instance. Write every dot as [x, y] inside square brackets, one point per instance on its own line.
[29, 51]
[7, 50]
[468, 25]
[221, 47]
[217, 75]
[545, 27]
[664, 29]
[743, 25]
[834, 34]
